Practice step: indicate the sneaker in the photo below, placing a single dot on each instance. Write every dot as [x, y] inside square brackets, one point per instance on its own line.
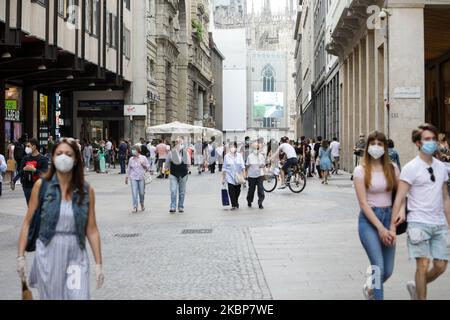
[411, 287]
[13, 186]
[233, 208]
[172, 210]
[368, 293]
[142, 207]
[180, 210]
[135, 210]
[282, 187]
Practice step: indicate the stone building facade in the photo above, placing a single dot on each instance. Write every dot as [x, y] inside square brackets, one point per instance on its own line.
[271, 32]
[392, 78]
[175, 75]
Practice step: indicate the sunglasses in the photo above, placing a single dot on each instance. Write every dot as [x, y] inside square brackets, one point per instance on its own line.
[431, 172]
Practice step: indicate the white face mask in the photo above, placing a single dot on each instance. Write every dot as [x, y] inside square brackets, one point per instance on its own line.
[28, 150]
[376, 152]
[64, 163]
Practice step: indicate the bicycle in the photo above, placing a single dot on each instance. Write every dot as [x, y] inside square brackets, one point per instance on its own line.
[295, 179]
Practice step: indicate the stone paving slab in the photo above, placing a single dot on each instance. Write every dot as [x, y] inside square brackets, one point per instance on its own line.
[328, 262]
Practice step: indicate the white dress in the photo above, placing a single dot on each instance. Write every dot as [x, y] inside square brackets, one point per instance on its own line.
[60, 270]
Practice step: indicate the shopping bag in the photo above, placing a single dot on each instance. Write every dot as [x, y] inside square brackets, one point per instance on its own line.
[225, 197]
[26, 293]
[148, 177]
[10, 166]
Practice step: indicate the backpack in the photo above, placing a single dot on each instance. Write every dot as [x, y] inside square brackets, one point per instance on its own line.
[19, 152]
[35, 224]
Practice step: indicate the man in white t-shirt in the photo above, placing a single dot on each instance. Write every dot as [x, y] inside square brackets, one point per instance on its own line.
[335, 147]
[255, 165]
[424, 180]
[291, 158]
[108, 148]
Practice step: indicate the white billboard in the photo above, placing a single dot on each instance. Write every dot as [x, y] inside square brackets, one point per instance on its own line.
[232, 43]
[234, 100]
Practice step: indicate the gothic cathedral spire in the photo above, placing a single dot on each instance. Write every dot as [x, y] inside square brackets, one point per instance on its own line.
[267, 8]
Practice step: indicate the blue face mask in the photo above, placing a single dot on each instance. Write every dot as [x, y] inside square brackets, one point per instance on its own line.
[429, 147]
[134, 152]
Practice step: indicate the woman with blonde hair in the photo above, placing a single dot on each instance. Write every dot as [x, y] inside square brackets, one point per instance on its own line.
[375, 181]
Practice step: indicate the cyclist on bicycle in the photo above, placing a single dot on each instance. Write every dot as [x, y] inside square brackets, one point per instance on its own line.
[291, 159]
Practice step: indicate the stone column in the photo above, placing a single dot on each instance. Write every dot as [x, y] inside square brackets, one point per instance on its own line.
[379, 88]
[363, 87]
[406, 70]
[370, 80]
[356, 92]
[351, 110]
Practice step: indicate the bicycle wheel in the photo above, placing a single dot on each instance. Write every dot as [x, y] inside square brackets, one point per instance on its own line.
[297, 182]
[270, 182]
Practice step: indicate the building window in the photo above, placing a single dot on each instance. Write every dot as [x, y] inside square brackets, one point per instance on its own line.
[108, 28]
[62, 8]
[127, 43]
[41, 2]
[114, 31]
[89, 17]
[72, 12]
[96, 18]
[268, 78]
[127, 4]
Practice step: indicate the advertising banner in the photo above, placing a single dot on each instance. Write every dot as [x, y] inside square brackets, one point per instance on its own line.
[268, 105]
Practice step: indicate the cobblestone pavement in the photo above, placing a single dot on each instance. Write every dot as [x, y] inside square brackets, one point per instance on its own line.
[300, 247]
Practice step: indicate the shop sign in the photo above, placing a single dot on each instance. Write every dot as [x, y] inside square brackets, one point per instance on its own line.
[135, 110]
[43, 108]
[407, 93]
[12, 112]
[100, 104]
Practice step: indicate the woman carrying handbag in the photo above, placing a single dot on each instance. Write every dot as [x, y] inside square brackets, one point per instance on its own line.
[233, 174]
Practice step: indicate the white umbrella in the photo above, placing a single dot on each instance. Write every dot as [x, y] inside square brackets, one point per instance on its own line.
[211, 132]
[174, 128]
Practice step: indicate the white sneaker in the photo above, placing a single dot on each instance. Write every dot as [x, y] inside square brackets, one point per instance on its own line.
[368, 293]
[411, 287]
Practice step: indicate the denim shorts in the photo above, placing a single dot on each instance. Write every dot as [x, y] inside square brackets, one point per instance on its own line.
[428, 241]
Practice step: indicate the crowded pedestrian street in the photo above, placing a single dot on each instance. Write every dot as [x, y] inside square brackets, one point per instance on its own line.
[301, 246]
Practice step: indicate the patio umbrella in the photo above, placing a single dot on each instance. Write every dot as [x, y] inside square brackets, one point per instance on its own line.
[174, 128]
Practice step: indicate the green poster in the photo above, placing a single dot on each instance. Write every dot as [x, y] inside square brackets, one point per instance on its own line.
[11, 104]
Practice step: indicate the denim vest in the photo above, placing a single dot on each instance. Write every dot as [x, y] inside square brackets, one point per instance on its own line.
[50, 210]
